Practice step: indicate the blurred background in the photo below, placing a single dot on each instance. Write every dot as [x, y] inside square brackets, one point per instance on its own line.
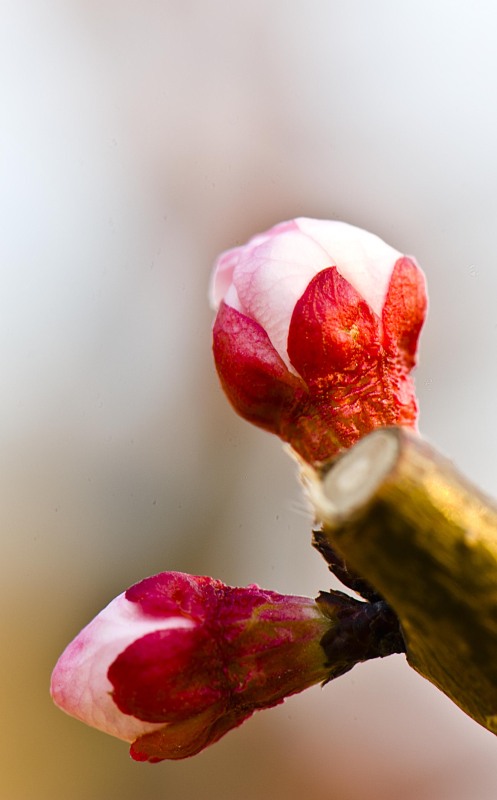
[138, 141]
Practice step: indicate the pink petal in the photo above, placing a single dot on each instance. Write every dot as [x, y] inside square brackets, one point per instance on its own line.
[80, 685]
[222, 274]
[271, 277]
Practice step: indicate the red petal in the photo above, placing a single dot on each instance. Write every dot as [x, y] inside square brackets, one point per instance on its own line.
[332, 330]
[404, 310]
[254, 377]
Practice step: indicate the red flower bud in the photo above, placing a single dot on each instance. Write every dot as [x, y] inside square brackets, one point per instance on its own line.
[317, 332]
[177, 661]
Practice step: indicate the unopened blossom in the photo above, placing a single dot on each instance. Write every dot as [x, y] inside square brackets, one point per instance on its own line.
[316, 333]
[177, 660]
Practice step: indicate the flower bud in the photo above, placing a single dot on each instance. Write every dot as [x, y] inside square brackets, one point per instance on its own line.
[177, 661]
[316, 333]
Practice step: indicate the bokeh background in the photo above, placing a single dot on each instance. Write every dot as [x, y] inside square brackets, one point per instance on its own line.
[139, 140]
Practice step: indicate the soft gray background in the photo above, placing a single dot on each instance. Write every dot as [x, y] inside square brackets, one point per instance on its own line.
[139, 140]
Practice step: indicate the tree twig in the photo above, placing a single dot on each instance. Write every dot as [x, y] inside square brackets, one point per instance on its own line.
[403, 518]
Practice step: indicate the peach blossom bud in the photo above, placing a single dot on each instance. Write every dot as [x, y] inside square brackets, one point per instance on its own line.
[316, 333]
[177, 661]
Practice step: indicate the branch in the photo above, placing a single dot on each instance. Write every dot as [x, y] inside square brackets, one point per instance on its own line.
[404, 519]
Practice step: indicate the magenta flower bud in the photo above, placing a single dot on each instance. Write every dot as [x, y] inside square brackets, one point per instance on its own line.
[176, 661]
[316, 333]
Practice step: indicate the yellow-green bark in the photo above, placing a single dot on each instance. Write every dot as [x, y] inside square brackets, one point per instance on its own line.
[426, 539]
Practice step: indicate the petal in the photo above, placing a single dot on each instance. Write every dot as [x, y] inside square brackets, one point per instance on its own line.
[80, 685]
[405, 309]
[271, 277]
[364, 260]
[187, 738]
[222, 274]
[174, 594]
[332, 330]
[168, 676]
[253, 375]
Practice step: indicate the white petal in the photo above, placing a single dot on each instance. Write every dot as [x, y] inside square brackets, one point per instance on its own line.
[364, 260]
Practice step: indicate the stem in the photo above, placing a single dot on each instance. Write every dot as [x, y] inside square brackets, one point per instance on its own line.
[402, 517]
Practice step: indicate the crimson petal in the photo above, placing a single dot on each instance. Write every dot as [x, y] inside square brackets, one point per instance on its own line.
[254, 376]
[168, 676]
[173, 594]
[186, 738]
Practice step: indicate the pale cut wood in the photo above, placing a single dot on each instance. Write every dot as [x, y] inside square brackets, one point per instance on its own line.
[409, 523]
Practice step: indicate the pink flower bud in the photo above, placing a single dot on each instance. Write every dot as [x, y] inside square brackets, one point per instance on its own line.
[177, 661]
[316, 333]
